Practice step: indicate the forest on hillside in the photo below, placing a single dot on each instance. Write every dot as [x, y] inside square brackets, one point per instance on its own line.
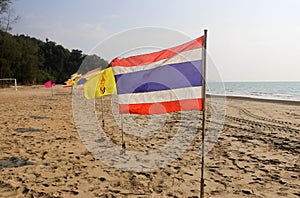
[32, 61]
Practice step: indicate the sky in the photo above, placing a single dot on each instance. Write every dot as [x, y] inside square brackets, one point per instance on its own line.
[248, 40]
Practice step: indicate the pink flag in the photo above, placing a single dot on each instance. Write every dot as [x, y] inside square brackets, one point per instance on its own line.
[48, 84]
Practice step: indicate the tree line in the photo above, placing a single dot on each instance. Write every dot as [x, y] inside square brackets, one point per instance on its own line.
[32, 61]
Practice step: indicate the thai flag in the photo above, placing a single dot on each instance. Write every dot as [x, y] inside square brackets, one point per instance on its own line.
[166, 81]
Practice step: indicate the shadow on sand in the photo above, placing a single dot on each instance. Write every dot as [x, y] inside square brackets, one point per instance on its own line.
[23, 130]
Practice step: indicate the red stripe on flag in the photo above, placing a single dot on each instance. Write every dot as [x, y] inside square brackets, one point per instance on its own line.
[162, 107]
[157, 56]
[67, 86]
[92, 71]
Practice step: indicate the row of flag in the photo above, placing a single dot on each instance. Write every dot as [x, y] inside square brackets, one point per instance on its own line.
[169, 80]
[166, 81]
[72, 81]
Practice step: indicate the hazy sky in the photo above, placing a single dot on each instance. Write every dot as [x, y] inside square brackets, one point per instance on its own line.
[249, 40]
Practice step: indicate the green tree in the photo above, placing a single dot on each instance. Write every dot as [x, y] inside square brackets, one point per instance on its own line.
[72, 64]
[9, 56]
[27, 70]
[60, 62]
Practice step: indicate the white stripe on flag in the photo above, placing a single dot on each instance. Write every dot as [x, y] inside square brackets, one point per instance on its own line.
[161, 96]
[90, 74]
[186, 56]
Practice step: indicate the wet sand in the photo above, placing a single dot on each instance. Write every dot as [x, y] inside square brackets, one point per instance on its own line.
[43, 152]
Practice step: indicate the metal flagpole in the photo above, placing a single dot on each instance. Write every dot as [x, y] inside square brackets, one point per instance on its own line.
[203, 111]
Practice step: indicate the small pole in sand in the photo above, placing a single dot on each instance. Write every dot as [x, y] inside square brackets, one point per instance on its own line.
[52, 89]
[203, 113]
[123, 142]
[102, 108]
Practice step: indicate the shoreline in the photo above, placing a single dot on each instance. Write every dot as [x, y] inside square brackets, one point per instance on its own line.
[253, 99]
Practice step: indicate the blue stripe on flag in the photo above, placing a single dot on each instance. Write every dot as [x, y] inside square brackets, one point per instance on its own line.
[166, 77]
[81, 81]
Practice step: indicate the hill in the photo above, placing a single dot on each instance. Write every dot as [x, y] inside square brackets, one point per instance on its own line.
[32, 61]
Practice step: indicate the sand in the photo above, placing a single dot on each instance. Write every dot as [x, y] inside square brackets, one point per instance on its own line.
[44, 149]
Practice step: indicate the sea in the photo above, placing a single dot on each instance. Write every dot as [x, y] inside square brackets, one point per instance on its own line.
[264, 90]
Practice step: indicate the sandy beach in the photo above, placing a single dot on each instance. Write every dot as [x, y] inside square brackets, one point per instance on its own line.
[256, 154]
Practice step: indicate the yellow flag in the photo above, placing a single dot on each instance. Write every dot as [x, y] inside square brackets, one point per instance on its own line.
[69, 82]
[100, 84]
[75, 78]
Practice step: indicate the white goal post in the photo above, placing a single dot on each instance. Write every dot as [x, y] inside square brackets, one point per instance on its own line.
[11, 79]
